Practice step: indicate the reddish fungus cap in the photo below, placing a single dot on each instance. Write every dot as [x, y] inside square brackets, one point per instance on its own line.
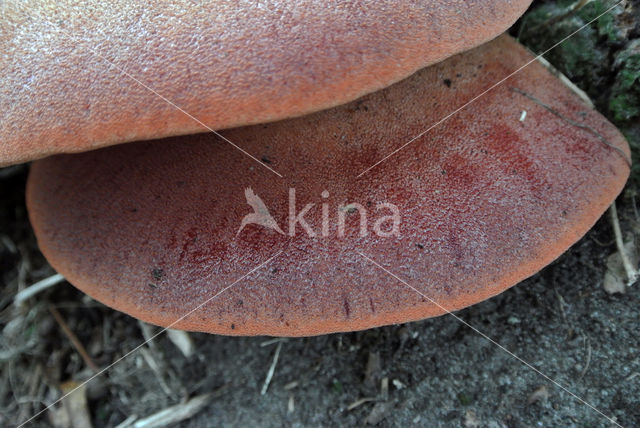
[486, 199]
[64, 87]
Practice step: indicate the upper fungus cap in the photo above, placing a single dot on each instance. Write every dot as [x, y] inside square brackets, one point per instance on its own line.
[81, 75]
[485, 199]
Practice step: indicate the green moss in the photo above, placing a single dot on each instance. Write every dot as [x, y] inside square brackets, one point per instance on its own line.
[624, 102]
[464, 398]
[624, 106]
[579, 57]
[336, 386]
[606, 24]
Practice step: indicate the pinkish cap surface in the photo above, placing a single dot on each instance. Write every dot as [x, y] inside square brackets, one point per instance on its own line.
[485, 200]
[78, 76]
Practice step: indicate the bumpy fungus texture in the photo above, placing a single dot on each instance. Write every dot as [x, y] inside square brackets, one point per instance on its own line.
[485, 199]
[229, 63]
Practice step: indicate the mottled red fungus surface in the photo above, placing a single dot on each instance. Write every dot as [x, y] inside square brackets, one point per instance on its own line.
[227, 63]
[486, 199]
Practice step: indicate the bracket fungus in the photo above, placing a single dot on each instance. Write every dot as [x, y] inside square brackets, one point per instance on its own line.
[472, 207]
[82, 75]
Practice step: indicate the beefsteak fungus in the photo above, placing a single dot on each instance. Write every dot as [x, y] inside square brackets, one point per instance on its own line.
[472, 207]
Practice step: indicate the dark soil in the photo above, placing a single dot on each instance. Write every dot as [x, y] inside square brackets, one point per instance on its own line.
[439, 372]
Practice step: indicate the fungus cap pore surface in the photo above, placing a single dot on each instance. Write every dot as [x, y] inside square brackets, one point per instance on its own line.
[64, 87]
[486, 199]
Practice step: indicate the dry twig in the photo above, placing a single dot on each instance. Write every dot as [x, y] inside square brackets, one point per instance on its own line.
[631, 271]
[74, 339]
[36, 288]
[272, 369]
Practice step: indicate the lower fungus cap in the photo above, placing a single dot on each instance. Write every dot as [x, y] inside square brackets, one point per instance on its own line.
[472, 207]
